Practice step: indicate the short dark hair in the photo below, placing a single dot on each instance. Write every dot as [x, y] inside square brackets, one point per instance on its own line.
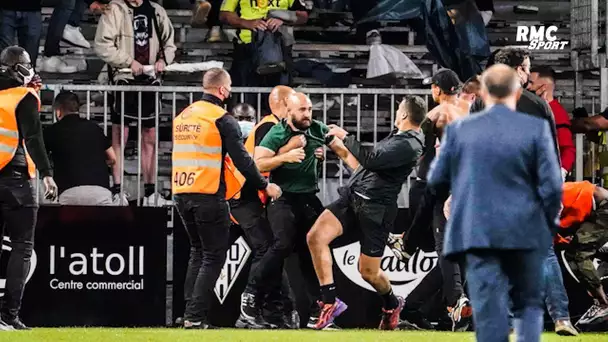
[416, 109]
[472, 85]
[512, 57]
[67, 102]
[491, 59]
[544, 71]
[244, 111]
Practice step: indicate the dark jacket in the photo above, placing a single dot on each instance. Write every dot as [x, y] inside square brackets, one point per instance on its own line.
[384, 170]
[30, 130]
[505, 181]
[532, 104]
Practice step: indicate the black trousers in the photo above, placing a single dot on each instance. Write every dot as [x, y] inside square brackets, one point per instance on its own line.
[251, 216]
[18, 211]
[450, 270]
[207, 222]
[290, 218]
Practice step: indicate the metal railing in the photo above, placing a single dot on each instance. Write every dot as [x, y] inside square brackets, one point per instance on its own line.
[369, 112]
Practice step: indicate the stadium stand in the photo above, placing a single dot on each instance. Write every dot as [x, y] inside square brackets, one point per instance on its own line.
[374, 116]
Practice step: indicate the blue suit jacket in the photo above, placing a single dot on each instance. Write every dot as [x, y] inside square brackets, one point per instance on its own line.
[504, 175]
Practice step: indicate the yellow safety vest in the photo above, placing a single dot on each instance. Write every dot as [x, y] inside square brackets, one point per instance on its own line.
[9, 132]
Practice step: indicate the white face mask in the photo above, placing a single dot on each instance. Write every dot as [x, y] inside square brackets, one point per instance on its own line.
[25, 72]
[246, 127]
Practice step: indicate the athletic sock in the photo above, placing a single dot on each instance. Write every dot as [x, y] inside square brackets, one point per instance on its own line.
[328, 293]
[148, 190]
[390, 300]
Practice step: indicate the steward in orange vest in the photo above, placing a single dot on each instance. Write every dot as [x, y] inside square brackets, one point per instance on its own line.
[580, 201]
[248, 209]
[20, 133]
[254, 136]
[203, 177]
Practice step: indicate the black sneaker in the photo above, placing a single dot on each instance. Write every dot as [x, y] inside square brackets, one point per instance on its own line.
[5, 327]
[251, 314]
[190, 325]
[414, 320]
[17, 324]
[179, 322]
[596, 314]
[291, 320]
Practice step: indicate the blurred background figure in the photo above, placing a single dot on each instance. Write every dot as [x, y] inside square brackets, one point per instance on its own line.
[80, 153]
[245, 114]
[542, 82]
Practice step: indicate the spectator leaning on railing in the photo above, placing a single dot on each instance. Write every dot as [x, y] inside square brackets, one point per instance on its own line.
[80, 152]
[131, 34]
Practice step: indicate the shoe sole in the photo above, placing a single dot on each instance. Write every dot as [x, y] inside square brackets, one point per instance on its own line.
[565, 332]
[74, 44]
[199, 19]
[240, 324]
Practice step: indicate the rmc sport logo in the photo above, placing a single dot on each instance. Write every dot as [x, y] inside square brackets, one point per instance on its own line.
[540, 37]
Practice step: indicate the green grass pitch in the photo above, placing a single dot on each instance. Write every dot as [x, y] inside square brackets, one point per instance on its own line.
[176, 335]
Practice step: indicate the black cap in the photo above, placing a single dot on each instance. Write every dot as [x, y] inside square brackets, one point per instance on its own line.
[447, 80]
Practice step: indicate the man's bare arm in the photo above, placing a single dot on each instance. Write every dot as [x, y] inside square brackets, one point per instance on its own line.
[267, 160]
[343, 153]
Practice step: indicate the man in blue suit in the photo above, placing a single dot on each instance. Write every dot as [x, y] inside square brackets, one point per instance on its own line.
[506, 185]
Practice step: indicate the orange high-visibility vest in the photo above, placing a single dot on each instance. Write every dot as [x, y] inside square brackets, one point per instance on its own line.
[197, 153]
[577, 199]
[9, 132]
[250, 147]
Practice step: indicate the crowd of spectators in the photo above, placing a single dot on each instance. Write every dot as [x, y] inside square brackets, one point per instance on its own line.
[133, 34]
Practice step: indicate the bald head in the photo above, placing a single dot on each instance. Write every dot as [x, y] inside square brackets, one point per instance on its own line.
[299, 111]
[500, 84]
[278, 100]
[215, 78]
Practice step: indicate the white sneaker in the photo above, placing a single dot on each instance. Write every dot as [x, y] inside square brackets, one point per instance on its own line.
[604, 248]
[120, 200]
[74, 36]
[76, 60]
[57, 64]
[156, 200]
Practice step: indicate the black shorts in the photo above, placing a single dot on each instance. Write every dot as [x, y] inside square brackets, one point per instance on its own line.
[131, 105]
[372, 222]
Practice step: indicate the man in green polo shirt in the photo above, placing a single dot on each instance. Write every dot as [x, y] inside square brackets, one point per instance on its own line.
[252, 15]
[292, 215]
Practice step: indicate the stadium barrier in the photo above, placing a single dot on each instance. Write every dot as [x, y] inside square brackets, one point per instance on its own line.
[110, 266]
[368, 112]
[72, 284]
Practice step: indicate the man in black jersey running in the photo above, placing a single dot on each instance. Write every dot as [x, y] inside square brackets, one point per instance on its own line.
[368, 205]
